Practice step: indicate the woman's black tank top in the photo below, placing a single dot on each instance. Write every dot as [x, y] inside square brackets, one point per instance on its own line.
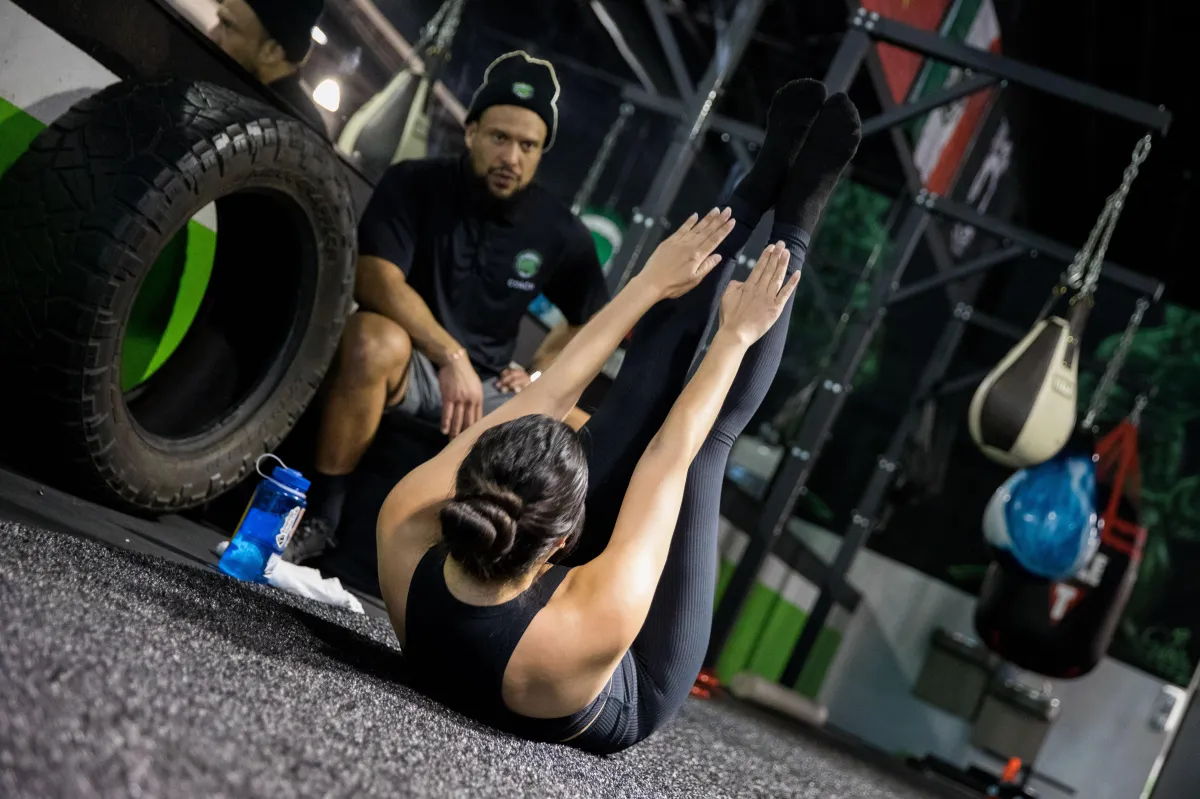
[457, 653]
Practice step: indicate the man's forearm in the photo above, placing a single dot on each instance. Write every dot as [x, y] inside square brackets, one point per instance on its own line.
[552, 346]
[380, 287]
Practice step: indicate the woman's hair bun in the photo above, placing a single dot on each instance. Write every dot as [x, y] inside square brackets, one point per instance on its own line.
[520, 495]
[480, 529]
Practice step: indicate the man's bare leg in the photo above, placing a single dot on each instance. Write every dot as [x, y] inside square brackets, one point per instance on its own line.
[370, 373]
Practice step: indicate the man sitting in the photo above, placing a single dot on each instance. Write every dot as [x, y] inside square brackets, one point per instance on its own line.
[451, 253]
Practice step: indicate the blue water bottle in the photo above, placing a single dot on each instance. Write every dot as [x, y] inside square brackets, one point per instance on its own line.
[268, 524]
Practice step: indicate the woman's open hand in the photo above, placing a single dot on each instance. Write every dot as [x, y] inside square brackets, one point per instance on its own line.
[681, 261]
[749, 309]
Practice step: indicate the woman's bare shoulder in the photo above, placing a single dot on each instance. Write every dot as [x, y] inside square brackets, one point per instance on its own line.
[400, 546]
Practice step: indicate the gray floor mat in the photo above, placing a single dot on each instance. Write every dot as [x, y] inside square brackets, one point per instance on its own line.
[123, 674]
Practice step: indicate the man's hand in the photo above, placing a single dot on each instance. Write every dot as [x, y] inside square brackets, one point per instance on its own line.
[681, 261]
[513, 379]
[748, 310]
[462, 395]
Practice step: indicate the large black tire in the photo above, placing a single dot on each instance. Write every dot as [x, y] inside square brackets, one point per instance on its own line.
[85, 212]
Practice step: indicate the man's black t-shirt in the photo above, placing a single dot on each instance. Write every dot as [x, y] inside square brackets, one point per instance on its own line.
[476, 267]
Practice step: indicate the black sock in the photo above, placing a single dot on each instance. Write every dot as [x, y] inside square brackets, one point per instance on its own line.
[793, 110]
[831, 143]
[326, 497]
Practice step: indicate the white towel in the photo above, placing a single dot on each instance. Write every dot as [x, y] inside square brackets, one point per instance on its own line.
[307, 582]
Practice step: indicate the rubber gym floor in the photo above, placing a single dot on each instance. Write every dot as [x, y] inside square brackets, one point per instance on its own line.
[131, 667]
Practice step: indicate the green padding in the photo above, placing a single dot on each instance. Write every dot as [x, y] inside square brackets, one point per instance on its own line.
[745, 634]
[774, 647]
[762, 639]
[17, 132]
[167, 303]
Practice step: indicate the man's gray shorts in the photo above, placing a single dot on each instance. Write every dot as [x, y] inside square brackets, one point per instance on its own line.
[423, 398]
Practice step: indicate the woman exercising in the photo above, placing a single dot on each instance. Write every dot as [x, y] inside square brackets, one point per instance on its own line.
[474, 545]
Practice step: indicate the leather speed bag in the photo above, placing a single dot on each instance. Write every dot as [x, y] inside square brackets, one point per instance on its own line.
[1023, 412]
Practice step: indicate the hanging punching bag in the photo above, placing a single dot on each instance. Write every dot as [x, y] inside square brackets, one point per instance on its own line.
[1023, 412]
[1062, 628]
[393, 126]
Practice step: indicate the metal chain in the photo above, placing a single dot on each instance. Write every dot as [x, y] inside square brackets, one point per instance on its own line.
[600, 163]
[1139, 405]
[450, 27]
[1109, 379]
[1090, 259]
[438, 33]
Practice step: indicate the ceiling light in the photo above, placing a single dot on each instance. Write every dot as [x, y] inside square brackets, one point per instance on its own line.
[319, 36]
[328, 95]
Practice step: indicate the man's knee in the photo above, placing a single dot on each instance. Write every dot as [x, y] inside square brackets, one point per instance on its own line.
[373, 347]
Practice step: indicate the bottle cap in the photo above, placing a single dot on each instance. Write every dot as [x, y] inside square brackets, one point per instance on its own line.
[291, 478]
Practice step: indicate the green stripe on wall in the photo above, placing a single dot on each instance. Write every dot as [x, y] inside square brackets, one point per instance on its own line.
[17, 132]
[197, 270]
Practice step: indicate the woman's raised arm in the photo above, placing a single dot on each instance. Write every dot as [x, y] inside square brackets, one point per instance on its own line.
[677, 265]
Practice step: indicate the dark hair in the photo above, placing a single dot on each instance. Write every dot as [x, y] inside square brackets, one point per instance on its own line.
[521, 489]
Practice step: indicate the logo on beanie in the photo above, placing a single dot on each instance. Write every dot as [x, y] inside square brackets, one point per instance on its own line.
[528, 263]
[522, 90]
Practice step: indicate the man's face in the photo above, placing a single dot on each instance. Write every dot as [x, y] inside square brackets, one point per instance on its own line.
[240, 34]
[505, 145]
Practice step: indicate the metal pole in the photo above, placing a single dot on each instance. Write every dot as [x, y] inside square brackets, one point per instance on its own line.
[936, 46]
[998, 227]
[934, 238]
[902, 113]
[666, 38]
[687, 139]
[874, 497]
[791, 479]
[669, 106]
[981, 264]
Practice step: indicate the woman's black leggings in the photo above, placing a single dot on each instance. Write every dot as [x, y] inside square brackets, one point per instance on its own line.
[657, 674]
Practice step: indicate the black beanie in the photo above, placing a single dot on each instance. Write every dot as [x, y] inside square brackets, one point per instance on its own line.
[289, 22]
[519, 79]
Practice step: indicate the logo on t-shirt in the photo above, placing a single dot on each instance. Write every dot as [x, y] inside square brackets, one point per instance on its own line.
[522, 90]
[527, 263]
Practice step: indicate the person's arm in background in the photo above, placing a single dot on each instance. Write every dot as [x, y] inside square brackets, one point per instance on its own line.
[559, 336]
[387, 247]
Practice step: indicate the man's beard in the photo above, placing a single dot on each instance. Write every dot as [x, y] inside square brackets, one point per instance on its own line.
[489, 201]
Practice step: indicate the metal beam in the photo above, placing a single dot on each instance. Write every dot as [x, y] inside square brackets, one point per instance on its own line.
[666, 38]
[875, 496]
[618, 39]
[934, 45]
[689, 135]
[934, 237]
[997, 227]
[902, 113]
[741, 510]
[1014, 333]
[846, 61]
[677, 108]
[981, 264]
